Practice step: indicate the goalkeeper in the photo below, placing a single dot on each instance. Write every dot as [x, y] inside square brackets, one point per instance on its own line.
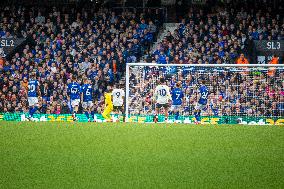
[108, 105]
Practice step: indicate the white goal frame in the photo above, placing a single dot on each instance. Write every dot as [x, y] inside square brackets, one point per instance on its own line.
[128, 65]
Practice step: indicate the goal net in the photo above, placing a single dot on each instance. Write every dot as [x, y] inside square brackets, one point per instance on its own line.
[243, 94]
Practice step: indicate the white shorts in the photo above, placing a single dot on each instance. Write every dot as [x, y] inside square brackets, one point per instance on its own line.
[200, 106]
[175, 107]
[117, 104]
[75, 102]
[32, 101]
[87, 104]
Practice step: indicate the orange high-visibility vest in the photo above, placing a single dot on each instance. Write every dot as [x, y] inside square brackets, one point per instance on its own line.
[243, 61]
[1, 62]
[272, 70]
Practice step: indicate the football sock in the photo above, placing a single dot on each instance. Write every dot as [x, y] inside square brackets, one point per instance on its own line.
[176, 115]
[197, 115]
[87, 114]
[34, 109]
[92, 114]
[30, 112]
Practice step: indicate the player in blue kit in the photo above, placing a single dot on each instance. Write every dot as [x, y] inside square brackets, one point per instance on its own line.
[87, 96]
[177, 99]
[203, 93]
[33, 93]
[74, 90]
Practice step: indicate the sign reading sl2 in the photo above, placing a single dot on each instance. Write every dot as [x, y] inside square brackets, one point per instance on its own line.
[8, 45]
[7, 42]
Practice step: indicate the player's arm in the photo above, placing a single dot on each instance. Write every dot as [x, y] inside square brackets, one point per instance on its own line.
[68, 92]
[183, 101]
[195, 87]
[38, 91]
[82, 95]
[108, 99]
[196, 92]
[169, 96]
[80, 89]
[105, 95]
[155, 95]
[123, 94]
[198, 95]
[93, 95]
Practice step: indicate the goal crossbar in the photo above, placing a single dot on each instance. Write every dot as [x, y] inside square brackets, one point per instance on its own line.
[205, 65]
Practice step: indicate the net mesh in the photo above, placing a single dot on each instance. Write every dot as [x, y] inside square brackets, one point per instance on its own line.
[234, 92]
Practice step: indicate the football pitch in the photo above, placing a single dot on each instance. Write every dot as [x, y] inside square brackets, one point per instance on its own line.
[127, 155]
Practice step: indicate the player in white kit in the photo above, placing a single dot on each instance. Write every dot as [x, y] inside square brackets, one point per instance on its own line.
[118, 99]
[162, 97]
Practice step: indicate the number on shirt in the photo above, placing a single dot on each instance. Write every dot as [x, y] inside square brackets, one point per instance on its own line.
[204, 95]
[117, 94]
[31, 88]
[74, 90]
[162, 92]
[177, 96]
[88, 93]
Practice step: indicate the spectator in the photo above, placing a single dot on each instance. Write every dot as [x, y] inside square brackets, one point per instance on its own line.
[242, 60]
[219, 36]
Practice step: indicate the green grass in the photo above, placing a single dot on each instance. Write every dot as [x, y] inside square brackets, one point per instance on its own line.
[92, 155]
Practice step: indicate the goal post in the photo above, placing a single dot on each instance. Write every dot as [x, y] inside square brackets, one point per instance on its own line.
[240, 93]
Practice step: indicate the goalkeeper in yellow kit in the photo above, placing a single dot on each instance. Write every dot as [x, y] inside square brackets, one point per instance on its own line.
[108, 105]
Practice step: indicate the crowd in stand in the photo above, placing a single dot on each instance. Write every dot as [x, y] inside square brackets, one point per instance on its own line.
[218, 37]
[62, 44]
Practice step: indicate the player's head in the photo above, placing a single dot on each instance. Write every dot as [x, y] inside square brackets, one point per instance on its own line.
[87, 81]
[33, 75]
[178, 85]
[122, 86]
[202, 81]
[162, 80]
[109, 88]
[74, 78]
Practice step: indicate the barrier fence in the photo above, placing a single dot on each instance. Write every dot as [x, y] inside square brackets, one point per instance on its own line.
[146, 119]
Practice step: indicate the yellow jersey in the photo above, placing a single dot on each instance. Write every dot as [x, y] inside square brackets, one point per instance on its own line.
[108, 99]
